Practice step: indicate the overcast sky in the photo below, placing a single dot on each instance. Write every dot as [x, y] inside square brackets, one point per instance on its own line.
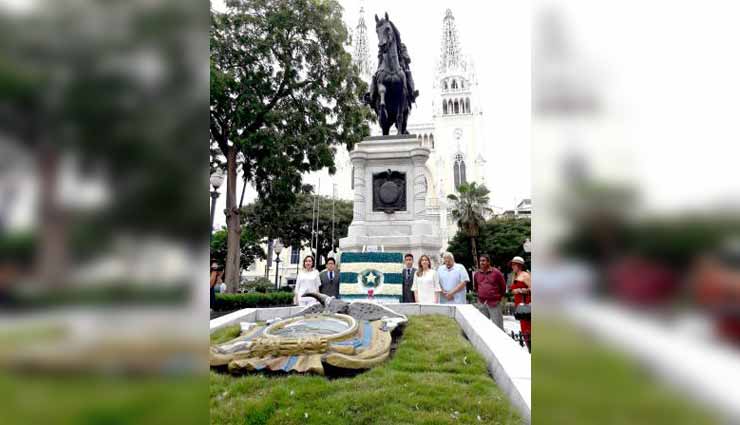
[669, 76]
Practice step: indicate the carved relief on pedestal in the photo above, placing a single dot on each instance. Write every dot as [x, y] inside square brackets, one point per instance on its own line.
[359, 184]
[420, 185]
[389, 191]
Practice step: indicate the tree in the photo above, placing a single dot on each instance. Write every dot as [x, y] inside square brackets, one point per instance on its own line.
[72, 90]
[250, 249]
[502, 238]
[293, 225]
[284, 92]
[470, 209]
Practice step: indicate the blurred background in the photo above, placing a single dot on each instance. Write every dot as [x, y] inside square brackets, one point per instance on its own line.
[636, 218]
[103, 212]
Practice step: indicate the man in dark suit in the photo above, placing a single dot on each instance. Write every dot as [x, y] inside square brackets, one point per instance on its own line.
[408, 278]
[330, 279]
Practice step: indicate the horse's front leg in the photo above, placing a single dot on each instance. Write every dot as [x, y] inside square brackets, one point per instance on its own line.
[382, 111]
[381, 94]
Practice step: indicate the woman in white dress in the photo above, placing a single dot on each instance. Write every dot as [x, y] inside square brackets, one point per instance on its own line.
[307, 281]
[426, 285]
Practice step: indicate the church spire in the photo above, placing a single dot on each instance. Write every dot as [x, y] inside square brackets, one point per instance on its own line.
[451, 57]
[361, 54]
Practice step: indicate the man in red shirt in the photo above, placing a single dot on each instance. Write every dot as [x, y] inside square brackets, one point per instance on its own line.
[490, 285]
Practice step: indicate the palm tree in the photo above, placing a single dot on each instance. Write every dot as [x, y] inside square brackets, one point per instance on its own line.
[470, 208]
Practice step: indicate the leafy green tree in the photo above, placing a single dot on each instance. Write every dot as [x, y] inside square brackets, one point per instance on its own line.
[284, 92]
[292, 225]
[71, 89]
[502, 238]
[250, 248]
[469, 209]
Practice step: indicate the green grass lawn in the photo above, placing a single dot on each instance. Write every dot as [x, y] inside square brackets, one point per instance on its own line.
[435, 377]
[36, 399]
[579, 381]
[90, 398]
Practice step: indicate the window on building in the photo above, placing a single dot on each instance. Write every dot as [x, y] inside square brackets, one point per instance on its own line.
[431, 140]
[295, 254]
[445, 85]
[459, 170]
[462, 84]
[454, 84]
[444, 108]
[449, 106]
[457, 107]
[467, 105]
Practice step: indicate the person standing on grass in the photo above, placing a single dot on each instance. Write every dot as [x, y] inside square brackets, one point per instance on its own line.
[522, 290]
[216, 278]
[308, 280]
[426, 286]
[454, 280]
[330, 279]
[490, 285]
[408, 279]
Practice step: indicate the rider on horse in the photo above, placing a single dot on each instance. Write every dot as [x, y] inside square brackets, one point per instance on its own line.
[405, 60]
[392, 89]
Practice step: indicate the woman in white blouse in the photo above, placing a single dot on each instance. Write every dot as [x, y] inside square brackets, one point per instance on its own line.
[426, 283]
[307, 281]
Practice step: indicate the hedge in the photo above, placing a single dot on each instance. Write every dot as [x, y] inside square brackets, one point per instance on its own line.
[121, 293]
[229, 302]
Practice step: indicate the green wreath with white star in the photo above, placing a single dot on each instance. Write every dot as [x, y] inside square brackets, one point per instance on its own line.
[371, 278]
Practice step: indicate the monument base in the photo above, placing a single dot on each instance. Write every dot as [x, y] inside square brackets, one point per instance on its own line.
[390, 183]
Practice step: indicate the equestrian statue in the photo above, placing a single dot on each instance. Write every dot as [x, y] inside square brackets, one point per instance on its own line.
[392, 89]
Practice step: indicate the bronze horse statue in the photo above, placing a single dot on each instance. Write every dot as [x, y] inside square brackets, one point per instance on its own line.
[392, 90]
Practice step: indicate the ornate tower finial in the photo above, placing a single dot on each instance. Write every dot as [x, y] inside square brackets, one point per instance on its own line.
[451, 57]
[361, 55]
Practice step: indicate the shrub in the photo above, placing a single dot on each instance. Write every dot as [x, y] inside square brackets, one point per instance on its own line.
[229, 302]
[18, 248]
[261, 285]
[107, 293]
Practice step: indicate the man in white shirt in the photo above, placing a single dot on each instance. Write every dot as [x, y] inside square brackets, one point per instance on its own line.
[454, 280]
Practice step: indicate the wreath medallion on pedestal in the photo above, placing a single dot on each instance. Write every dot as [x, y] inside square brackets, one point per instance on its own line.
[370, 278]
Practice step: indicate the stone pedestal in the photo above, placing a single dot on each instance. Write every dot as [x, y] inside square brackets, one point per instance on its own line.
[404, 227]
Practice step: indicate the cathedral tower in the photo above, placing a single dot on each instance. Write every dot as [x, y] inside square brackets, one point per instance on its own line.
[460, 145]
[361, 52]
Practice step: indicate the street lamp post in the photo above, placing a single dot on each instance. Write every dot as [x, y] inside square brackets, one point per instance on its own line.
[278, 249]
[217, 179]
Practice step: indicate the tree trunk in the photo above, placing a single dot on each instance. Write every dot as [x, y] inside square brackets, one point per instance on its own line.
[474, 249]
[233, 228]
[52, 261]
